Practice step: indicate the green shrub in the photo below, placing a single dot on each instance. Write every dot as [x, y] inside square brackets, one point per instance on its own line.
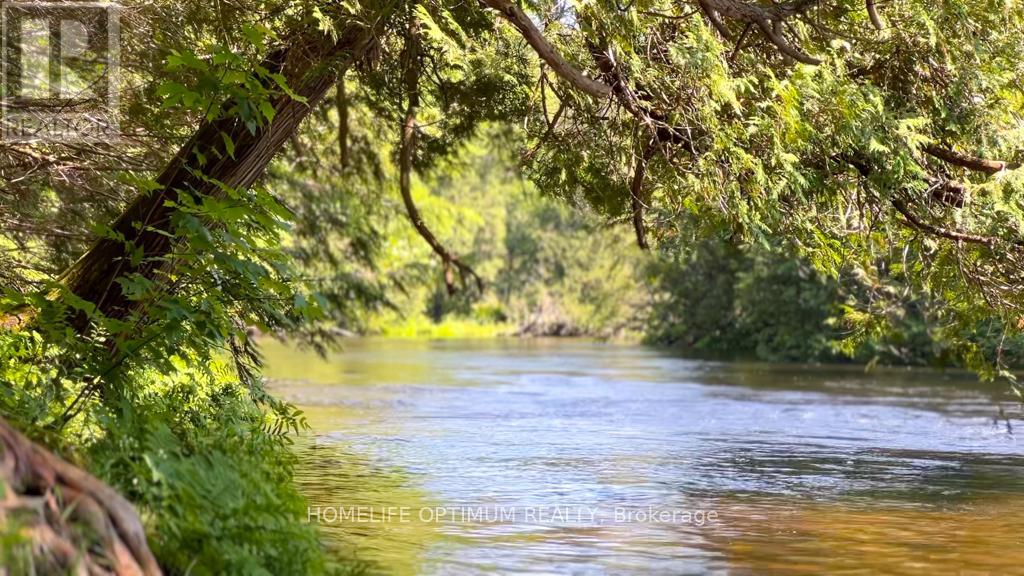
[770, 304]
[209, 468]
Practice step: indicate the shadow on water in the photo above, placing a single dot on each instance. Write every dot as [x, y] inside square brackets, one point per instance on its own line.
[808, 469]
[348, 494]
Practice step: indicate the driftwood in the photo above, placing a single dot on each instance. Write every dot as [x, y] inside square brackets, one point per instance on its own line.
[68, 521]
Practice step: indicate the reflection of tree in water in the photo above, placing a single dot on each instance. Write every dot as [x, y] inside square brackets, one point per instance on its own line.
[956, 393]
[800, 536]
[867, 477]
[332, 476]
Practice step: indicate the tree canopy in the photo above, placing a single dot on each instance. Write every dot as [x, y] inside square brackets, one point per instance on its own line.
[861, 134]
[260, 140]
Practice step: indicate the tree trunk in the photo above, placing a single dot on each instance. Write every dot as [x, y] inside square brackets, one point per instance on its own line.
[310, 66]
[33, 478]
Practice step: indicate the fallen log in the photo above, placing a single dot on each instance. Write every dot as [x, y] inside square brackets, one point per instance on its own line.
[64, 520]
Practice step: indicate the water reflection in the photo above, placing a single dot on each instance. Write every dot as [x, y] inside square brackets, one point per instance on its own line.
[809, 469]
[982, 537]
[335, 476]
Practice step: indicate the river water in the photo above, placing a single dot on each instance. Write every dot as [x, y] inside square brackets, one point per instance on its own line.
[576, 457]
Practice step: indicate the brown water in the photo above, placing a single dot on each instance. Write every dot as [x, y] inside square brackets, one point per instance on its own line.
[569, 457]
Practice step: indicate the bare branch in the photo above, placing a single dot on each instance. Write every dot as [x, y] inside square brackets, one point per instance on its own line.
[636, 196]
[408, 146]
[876, 20]
[974, 163]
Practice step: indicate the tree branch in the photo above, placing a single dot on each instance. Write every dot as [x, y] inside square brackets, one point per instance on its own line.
[636, 196]
[341, 104]
[769, 29]
[408, 146]
[660, 130]
[309, 64]
[715, 19]
[619, 87]
[912, 220]
[767, 18]
[948, 233]
[515, 16]
[547, 134]
[974, 163]
[876, 20]
[948, 192]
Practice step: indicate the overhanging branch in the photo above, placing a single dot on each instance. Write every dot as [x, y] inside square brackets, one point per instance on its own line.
[636, 195]
[914, 221]
[408, 146]
[547, 52]
[974, 163]
[768, 19]
[948, 233]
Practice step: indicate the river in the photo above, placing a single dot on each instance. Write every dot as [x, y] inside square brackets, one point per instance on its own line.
[577, 457]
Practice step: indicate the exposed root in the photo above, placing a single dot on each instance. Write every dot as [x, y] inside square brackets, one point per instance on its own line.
[71, 522]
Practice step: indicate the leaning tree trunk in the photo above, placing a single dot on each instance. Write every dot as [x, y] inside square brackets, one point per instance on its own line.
[310, 66]
[47, 498]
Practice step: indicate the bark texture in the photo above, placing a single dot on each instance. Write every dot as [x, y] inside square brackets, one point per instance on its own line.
[310, 66]
[73, 522]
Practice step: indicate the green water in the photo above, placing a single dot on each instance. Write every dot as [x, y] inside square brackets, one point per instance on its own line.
[578, 457]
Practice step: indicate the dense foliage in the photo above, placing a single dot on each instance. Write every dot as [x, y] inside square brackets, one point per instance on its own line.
[770, 304]
[268, 149]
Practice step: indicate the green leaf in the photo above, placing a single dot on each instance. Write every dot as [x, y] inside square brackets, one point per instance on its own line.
[229, 144]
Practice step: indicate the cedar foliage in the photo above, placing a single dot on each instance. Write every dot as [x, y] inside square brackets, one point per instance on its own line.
[880, 141]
